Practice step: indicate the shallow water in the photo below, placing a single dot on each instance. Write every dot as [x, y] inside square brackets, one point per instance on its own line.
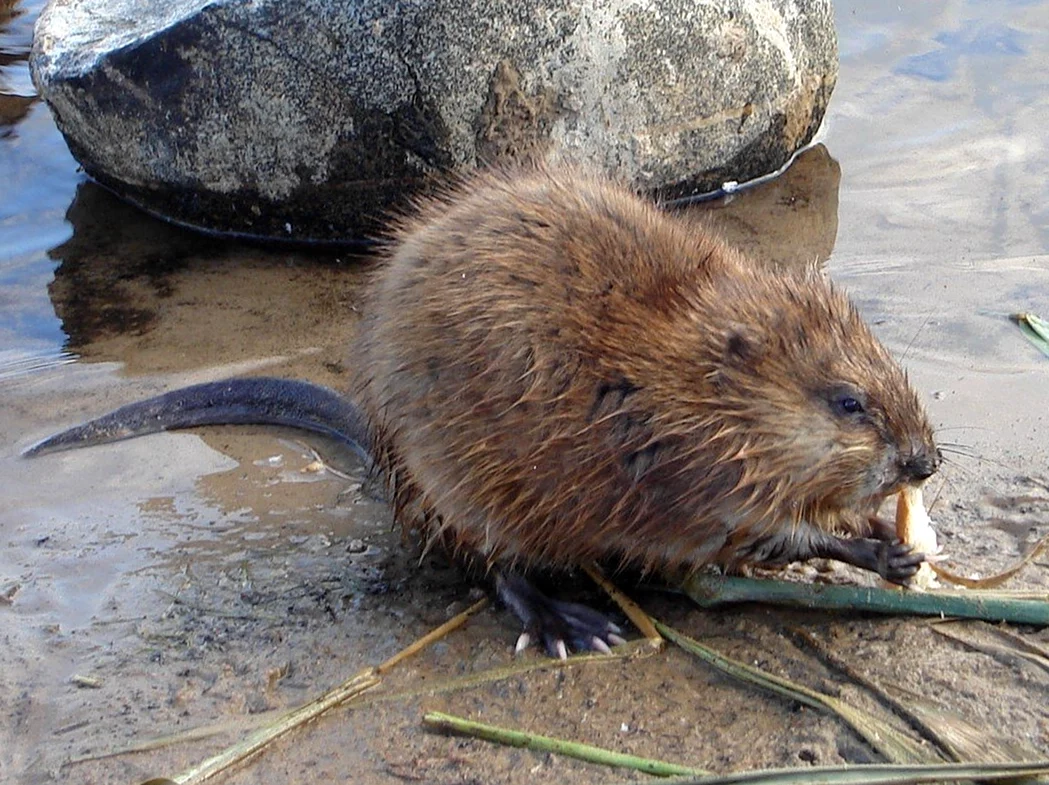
[185, 569]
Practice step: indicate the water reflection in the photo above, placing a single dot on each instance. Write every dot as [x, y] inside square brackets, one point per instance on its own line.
[972, 39]
[16, 39]
[115, 267]
[789, 222]
[136, 290]
[939, 122]
[37, 177]
[13, 109]
[132, 289]
[17, 94]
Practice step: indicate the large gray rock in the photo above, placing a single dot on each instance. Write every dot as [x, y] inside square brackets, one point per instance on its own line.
[305, 119]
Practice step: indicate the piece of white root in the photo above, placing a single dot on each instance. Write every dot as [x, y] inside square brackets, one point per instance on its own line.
[914, 527]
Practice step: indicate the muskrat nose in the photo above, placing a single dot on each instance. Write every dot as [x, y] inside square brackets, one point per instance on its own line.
[922, 464]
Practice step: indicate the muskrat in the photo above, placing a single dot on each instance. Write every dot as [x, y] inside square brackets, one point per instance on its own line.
[554, 371]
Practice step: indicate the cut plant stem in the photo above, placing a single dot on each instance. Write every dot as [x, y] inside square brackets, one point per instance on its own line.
[638, 648]
[711, 591]
[633, 611]
[1035, 330]
[629, 650]
[431, 637]
[533, 741]
[263, 737]
[877, 774]
[258, 740]
[894, 745]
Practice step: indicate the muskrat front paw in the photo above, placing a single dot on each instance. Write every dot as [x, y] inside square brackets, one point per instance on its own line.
[898, 562]
[556, 624]
[895, 561]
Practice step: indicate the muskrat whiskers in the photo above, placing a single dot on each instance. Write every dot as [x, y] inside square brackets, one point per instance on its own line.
[956, 465]
[958, 449]
[961, 452]
[939, 492]
[910, 344]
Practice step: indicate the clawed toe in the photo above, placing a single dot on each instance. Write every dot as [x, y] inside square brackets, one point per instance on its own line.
[524, 640]
[556, 624]
[898, 562]
[596, 644]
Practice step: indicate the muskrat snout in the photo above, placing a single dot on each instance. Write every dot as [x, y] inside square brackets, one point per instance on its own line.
[921, 464]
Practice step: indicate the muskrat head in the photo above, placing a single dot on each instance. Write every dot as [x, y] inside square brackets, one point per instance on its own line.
[821, 414]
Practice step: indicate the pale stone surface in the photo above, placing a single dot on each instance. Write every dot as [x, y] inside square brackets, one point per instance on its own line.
[306, 119]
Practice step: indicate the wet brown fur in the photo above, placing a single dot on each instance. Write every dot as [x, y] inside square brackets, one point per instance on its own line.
[561, 372]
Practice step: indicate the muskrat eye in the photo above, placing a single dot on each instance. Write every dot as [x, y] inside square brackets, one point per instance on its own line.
[847, 401]
[850, 405]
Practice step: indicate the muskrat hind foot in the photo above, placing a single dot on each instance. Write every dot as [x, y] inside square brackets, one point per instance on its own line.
[557, 624]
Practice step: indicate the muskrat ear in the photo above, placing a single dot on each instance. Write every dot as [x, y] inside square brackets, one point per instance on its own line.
[742, 345]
